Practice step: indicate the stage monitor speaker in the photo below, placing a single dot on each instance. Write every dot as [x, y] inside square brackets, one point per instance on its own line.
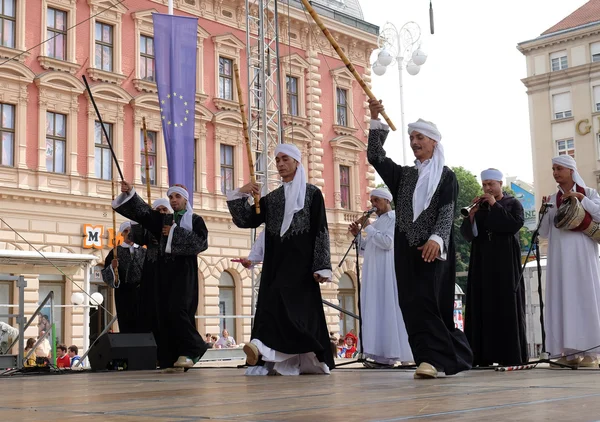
[124, 351]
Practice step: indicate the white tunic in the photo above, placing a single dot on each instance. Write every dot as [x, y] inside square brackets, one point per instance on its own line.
[383, 331]
[572, 313]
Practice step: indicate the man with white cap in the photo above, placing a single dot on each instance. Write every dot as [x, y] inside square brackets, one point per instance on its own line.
[154, 288]
[129, 263]
[495, 311]
[181, 236]
[290, 334]
[425, 197]
[572, 272]
[384, 336]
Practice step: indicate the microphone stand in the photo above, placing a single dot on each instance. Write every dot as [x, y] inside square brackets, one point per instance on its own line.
[535, 248]
[359, 357]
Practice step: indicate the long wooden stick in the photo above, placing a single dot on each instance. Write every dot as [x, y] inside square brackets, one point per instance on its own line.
[114, 215]
[349, 65]
[108, 140]
[236, 71]
[145, 134]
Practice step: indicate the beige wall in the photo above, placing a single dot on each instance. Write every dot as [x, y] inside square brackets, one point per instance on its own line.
[579, 79]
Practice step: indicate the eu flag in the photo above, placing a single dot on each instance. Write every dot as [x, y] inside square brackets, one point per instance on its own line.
[175, 57]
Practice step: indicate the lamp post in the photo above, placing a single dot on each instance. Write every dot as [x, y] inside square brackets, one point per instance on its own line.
[402, 47]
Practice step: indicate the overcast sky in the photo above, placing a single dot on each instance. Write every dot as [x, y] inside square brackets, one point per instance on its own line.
[470, 85]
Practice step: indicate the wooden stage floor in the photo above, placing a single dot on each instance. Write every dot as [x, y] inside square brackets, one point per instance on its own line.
[348, 394]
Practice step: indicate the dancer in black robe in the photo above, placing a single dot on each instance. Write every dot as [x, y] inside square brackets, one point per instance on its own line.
[289, 334]
[153, 289]
[495, 311]
[182, 236]
[425, 197]
[129, 262]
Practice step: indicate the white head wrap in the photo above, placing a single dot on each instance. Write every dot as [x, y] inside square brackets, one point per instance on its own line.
[431, 173]
[164, 202]
[382, 193]
[569, 162]
[125, 225]
[491, 174]
[296, 193]
[186, 219]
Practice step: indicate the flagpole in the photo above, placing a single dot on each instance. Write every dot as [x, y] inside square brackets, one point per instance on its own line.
[170, 7]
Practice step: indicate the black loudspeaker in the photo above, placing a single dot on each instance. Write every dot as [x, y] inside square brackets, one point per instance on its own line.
[124, 351]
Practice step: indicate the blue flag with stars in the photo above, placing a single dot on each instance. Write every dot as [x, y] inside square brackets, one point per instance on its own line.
[175, 57]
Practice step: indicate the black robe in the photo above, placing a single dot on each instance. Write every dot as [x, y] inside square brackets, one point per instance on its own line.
[425, 290]
[152, 291]
[127, 294]
[289, 311]
[176, 276]
[495, 312]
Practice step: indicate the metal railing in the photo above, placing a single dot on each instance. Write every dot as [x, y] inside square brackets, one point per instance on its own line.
[21, 318]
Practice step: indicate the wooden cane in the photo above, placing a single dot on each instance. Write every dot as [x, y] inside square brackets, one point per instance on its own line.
[236, 71]
[114, 215]
[349, 65]
[145, 134]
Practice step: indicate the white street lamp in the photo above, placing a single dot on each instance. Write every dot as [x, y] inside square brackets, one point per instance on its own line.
[412, 68]
[403, 47]
[379, 68]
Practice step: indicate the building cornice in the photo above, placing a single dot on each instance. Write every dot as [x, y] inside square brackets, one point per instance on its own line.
[557, 39]
[569, 75]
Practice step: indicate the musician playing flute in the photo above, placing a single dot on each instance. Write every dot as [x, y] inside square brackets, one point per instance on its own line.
[181, 236]
[425, 197]
[572, 273]
[495, 311]
[385, 341]
[290, 334]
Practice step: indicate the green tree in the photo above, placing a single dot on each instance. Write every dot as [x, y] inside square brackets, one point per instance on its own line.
[468, 188]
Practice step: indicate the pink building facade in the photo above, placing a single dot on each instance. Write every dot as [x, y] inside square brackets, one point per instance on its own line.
[55, 169]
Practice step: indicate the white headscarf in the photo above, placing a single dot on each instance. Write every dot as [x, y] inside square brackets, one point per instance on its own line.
[164, 202]
[569, 162]
[431, 174]
[382, 193]
[186, 219]
[125, 225]
[295, 193]
[491, 174]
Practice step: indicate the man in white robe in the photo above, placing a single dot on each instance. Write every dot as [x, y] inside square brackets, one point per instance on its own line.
[384, 335]
[572, 273]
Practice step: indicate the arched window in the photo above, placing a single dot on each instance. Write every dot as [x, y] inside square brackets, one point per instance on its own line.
[346, 297]
[227, 302]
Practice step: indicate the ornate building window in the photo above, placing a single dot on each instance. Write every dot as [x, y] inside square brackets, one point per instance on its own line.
[58, 96]
[7, 134]
[346, 156]
[8, 23]
[59, 52]
[111, 101]
[56, 139]
[152, 135]
[102, 155]
[12, 30]
[227, 53]
[147, 58]
[343, 101]
[226, 78]
[227, 168]
[295, 68]
[105, 44]
[15, 78]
